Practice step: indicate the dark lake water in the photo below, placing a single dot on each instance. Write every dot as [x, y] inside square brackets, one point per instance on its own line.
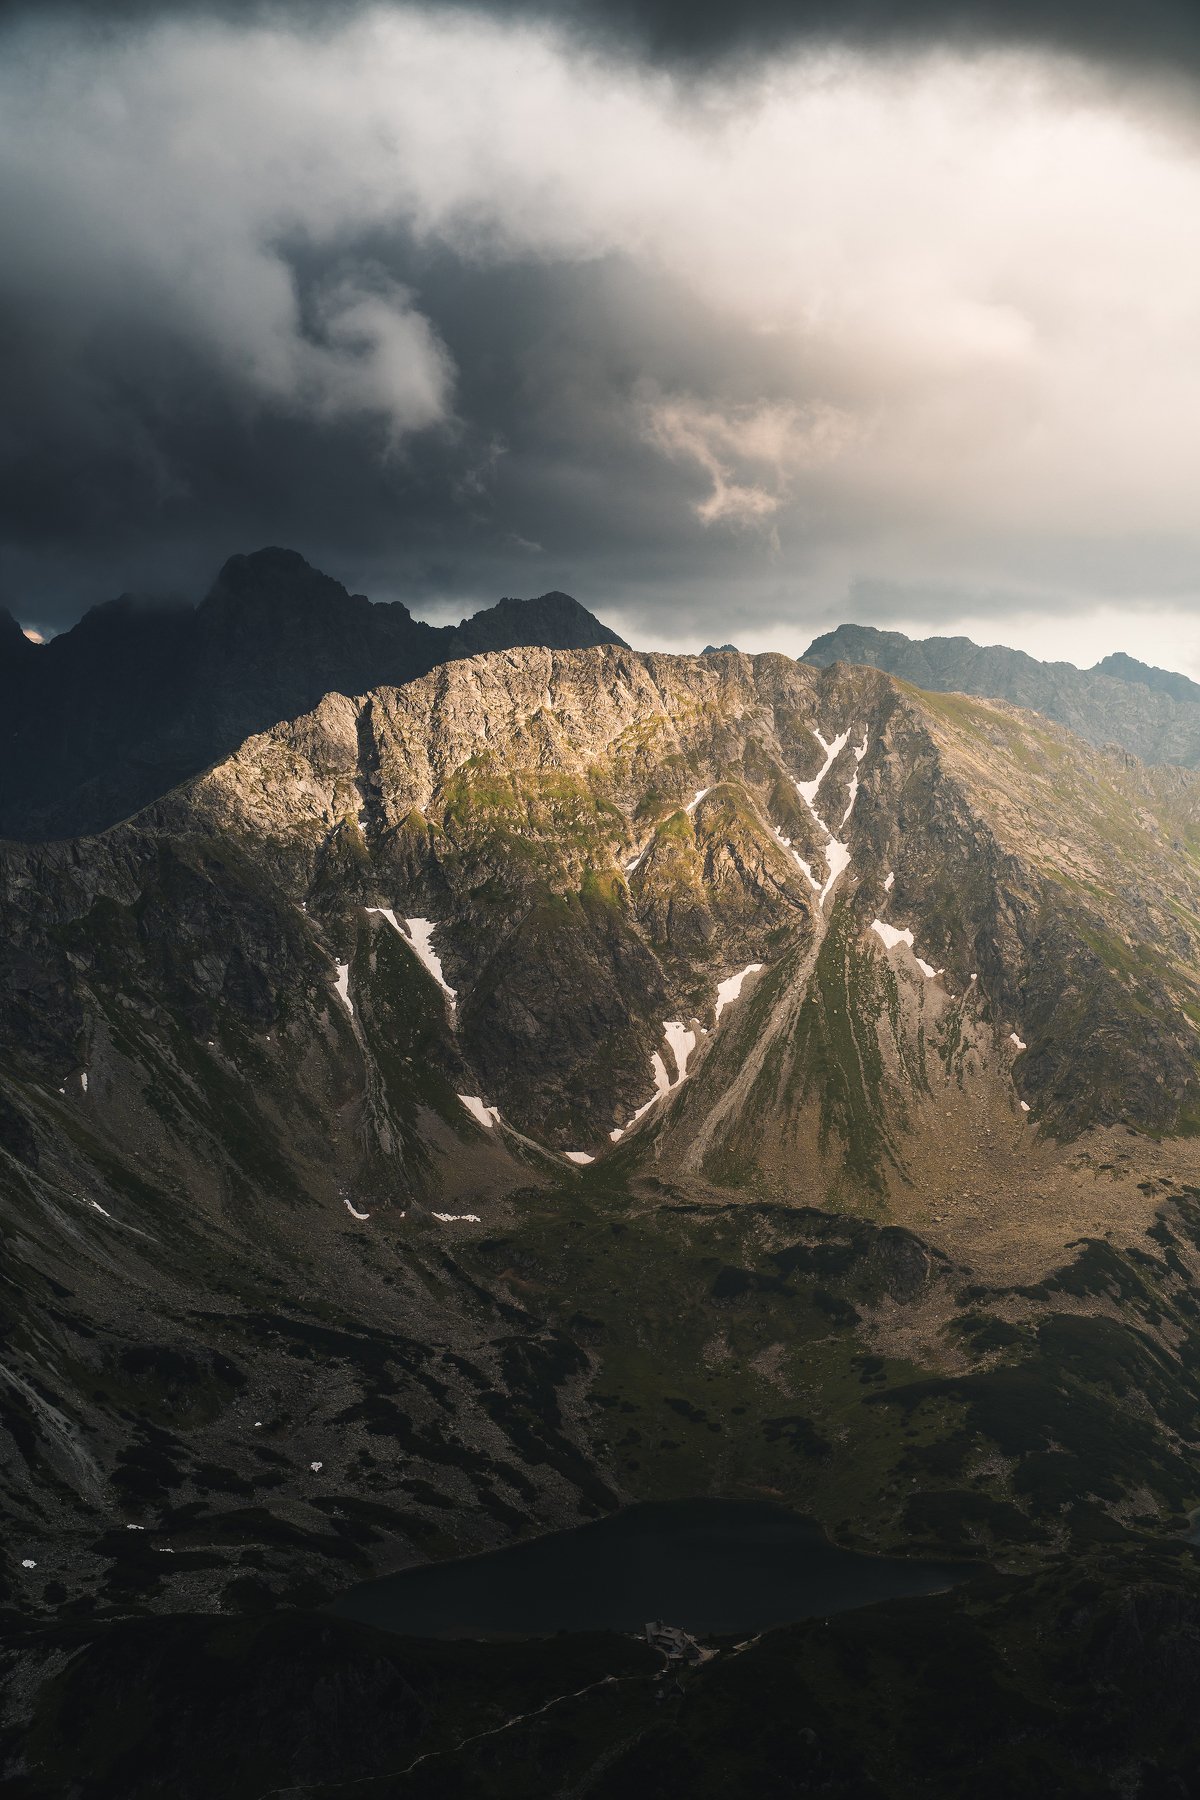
[711, 1566]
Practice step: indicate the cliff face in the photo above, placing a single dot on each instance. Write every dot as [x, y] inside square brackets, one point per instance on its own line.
[475, 1101]
[603, 839]
[1151, 712]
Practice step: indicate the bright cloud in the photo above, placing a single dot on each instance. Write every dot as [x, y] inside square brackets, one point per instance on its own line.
[955, 296]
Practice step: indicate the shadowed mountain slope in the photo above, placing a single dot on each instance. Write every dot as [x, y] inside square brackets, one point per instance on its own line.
[140, 695]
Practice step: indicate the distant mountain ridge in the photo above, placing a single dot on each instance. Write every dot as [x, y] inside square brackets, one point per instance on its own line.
[1155, 713]
[141, 694]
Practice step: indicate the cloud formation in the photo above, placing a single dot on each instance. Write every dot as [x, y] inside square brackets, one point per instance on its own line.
[460, 307]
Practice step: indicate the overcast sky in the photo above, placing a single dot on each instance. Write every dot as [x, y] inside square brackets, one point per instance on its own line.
[732, 330]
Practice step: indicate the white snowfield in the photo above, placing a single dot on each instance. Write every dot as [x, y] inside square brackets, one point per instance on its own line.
[792, 851]
[730, 989]
[860, 750]
[343, 987]
[662, 1085]
[682, 1042]
[893, 935]
[458, 1218]
[808, 790]
[418, 935]
[837, 854]
[578, 1156]
[487, 1116]
[421, 932]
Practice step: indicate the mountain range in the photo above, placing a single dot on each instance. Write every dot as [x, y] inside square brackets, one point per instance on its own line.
[141, 694]
[1155, 713]
[570, 1076]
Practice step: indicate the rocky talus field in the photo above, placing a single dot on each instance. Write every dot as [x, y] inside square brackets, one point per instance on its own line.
[583, 1076]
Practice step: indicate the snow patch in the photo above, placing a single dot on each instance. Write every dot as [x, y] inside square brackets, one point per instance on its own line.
[1019, 1042]
[807, 790]
[487, 1116]
[421, 932]
[458, 1218]
[837, 857]
[891, 935]
[890, 883]
[27, 1562]
[662, 1085]
[343, 987]
[682, 1043]
[699, 795]
[837, 854]
[1024, 1106]
[353, 1210]
[860, 750]
[100, 1209]
[578, 1156]
[418, 935]
[730, 989]
[316, 1467]
[787, 845]
[83, 1081]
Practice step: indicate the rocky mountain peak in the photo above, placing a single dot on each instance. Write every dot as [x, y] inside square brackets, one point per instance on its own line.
[1163, 681]
[555, 620]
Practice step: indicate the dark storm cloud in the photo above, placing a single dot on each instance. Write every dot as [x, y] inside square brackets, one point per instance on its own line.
[1163, 32]
[150, 468]
[458, 307]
